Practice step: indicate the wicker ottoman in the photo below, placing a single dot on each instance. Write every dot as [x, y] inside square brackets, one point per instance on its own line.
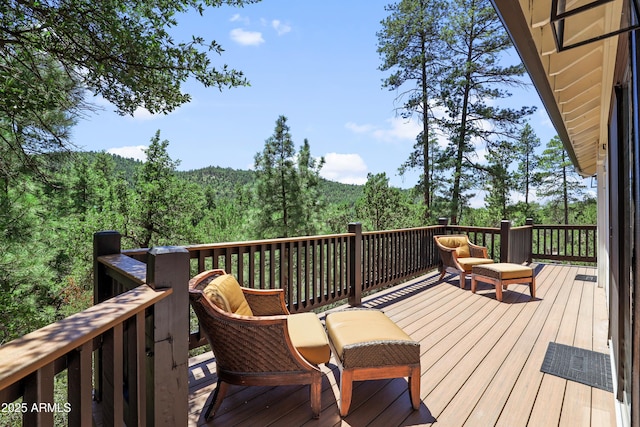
[369, 346]
[501, 275]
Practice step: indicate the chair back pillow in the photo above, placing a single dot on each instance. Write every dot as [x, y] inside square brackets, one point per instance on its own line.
[225, 292]
[459, 243]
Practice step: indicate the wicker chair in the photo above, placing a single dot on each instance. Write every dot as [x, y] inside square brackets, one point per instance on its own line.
[265, 348]
[459, 255]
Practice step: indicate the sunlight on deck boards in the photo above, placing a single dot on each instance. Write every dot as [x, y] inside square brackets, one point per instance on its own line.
[480, 360]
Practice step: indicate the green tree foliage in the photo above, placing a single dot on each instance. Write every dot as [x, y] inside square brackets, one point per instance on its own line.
[286, 187]
[39, 105]
[121, 50]
[53, 52]
[382, 207]
[25, 260]
[525, 151]
[499, 180]
[558, 182]
[165, 209]
[309, 185]
[46, 264]
[472, 83]
[411, 48]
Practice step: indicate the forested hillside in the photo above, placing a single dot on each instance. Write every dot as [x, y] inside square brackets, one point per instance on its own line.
[50, 218]
[224, 182]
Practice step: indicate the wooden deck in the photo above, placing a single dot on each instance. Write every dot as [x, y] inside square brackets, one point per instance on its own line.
[480, 359]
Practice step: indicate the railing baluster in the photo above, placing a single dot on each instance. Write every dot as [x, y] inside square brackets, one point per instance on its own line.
[79, 391]
[112, 376]
[39, 390]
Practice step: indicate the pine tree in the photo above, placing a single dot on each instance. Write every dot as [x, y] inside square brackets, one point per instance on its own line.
[309, 177]
[286, 187]
[557, 181]
[499, 180]
[525, 151]
[410, 46]
[165, 209]
[381, 207]
[473, 81]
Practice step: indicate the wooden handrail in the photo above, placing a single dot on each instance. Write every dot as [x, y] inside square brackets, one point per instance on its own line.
[31, 352]
[130, 268]
[203, 246]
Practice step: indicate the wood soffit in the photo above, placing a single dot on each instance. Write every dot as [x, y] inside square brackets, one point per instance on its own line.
[575, 85]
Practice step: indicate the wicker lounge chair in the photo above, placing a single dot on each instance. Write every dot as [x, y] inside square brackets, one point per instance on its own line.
[459, 255]
[254, 338]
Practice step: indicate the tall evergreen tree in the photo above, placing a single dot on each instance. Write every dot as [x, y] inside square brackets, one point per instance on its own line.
[410, 47]
[558, 181]
[286, 186]
[527, 159]
[381, 206]
[165, 209]
[499, 180]
[309, 178]
[472, 83]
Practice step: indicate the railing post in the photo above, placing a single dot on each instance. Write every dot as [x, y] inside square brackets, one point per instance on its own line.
[505, 227]
[355, 265]
[529, 223]
[444, 222]
[168, 349]
[104, 243]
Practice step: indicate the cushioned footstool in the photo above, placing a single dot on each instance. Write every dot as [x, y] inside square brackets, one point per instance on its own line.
[501, 275]
[369, 346]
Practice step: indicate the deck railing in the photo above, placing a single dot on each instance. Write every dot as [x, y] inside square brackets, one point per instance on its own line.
[573, 243]
[137, 336]
[129, 351]
[30, 363]
[104, 351]
[151, 370]
[389, 257]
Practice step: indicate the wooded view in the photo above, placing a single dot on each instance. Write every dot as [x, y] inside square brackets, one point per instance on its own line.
[52, 198]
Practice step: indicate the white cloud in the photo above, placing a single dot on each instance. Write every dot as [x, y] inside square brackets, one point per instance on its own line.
[142, 113]
[344, 168]
[131, 152]
[397, 129]
[356, 128]
[246, 38]
[239, 18]
[543, 119]
[280, 27]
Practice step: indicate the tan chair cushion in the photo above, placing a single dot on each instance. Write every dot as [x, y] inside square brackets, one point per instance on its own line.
[504, 271]
[308, 337]
[460, 244]
[468, 263]
[225, 292]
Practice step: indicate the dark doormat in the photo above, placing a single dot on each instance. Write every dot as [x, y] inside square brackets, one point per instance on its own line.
[580, 365]
[586, 277]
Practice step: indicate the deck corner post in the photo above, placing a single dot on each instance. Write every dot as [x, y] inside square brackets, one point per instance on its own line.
[505, 227]
[168, 345]
[104, 243]
[355, 264]
[443, 222]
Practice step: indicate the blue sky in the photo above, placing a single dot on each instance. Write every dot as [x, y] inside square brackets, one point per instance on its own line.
[314, 62]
